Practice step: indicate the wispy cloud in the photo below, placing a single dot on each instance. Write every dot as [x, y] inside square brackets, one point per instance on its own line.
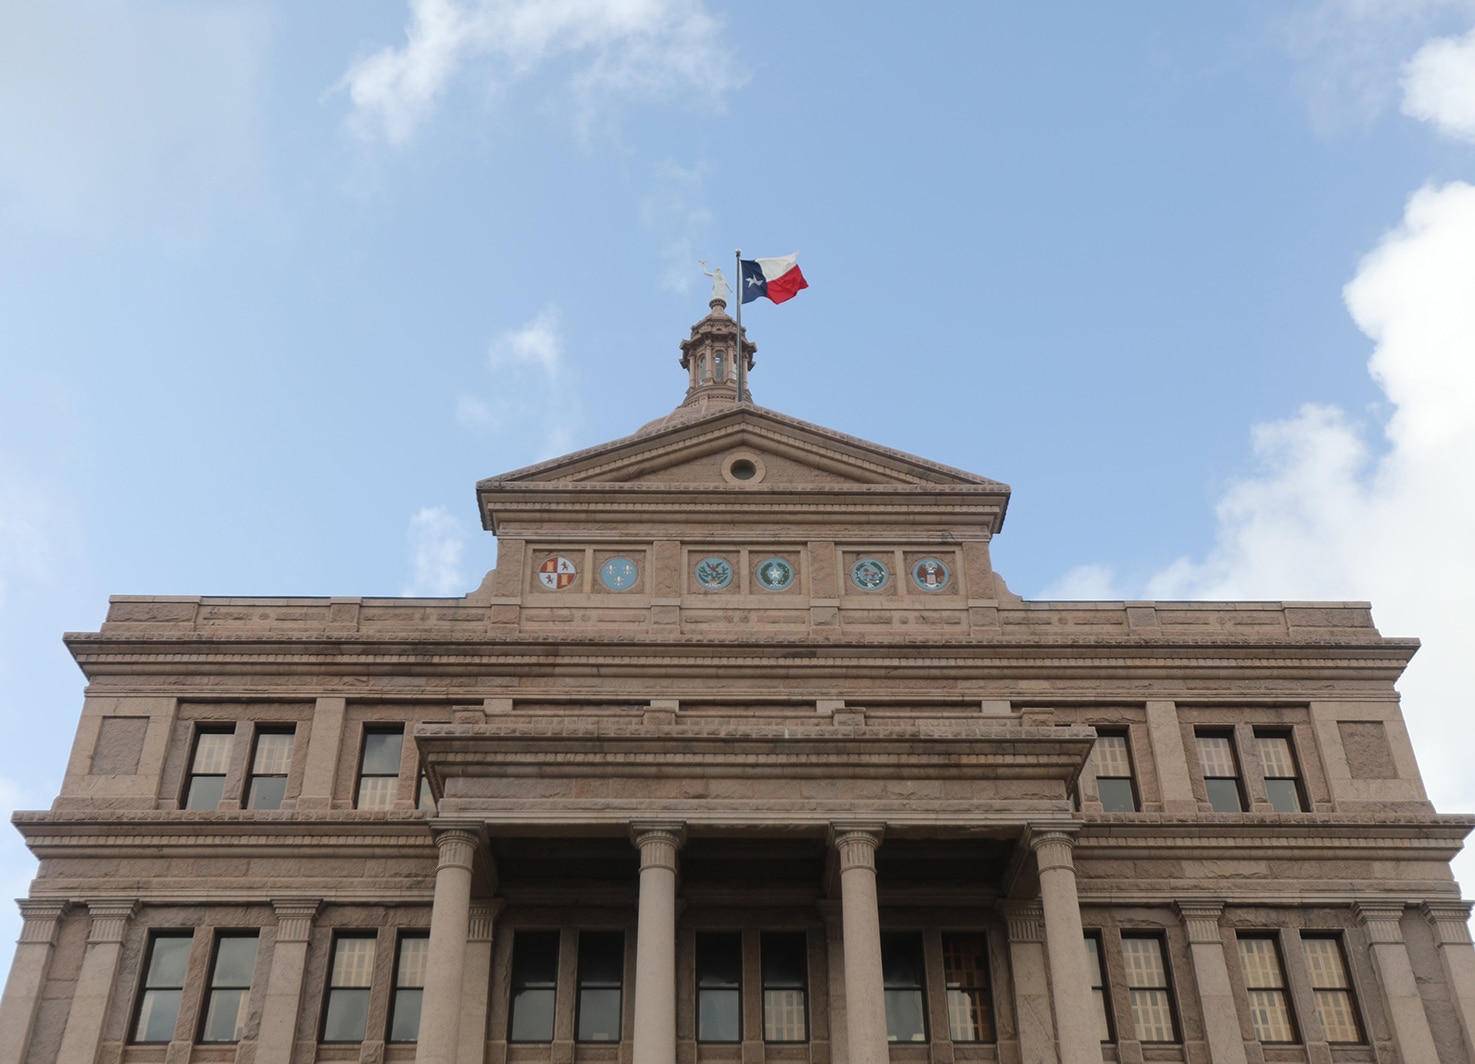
[620, 51]
[109, 111]
[1439, 85]
[536, 392]
[676, 213]
[437, 541]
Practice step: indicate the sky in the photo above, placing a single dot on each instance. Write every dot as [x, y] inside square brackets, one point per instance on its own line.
[279, 282]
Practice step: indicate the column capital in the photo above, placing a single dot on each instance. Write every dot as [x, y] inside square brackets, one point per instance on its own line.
[1450, 921]
[41, 919]
[1052, 843]
[1024, 919]
[457, 840]
[110, 917]
[1381, 920]
[483, 915]
[1201, 919]
[295, 917]
[658, 841]
[857, 842]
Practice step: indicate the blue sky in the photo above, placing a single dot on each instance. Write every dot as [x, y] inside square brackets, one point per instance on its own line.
[279, 282]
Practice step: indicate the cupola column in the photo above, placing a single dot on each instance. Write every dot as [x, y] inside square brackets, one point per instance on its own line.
[655, 942]
[450, 924]
[1065, 945]
[865, 995]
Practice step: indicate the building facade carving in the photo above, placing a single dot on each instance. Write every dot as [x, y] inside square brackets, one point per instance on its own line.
[743, 753]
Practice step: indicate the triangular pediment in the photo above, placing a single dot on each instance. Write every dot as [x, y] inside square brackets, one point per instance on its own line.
[793, 455]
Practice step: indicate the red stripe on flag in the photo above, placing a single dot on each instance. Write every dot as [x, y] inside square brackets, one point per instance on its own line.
[786, 286]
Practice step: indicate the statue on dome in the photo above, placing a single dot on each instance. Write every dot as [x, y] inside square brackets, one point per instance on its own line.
[720, 288]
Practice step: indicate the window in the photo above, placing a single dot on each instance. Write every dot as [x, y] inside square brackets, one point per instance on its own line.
[1331, 989]
[1112, 759]
[208, 767]
[1278, 762]
[534, 985]
[901, 976]
[379, 767]
[269, 767]
[1098, 986]
[1148, 989]
[1221, 771]
[1265, 982]
[601, 972]
[784, 969]
[346, 1017]
[230, 988]
[409, 987]
[970, 1014]
[163, 986]
[719, 987]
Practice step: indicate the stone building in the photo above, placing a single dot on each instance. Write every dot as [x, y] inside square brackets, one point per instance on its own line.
[743, 754]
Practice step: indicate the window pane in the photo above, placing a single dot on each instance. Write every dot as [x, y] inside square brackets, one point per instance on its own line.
[1275, 756]
[1224, 796]
[157, 1015]
[719, 981]
[719, 960]
[532, 1016]
[783, 960]
[382, 752]
[718, 1015]
[1335, 1007]
[784, 970]
[205, 792]
[904, 1016]
[212, 753]
[235, 960]
[1265, 983]
[1116, 795]
[225, 1016]
[1271, 1016]
[599, 1015]
[1098, 987]
[158, 1006]
[377, 792]
[347, 1016]
[167, 960]
[784, 1016]
[901, 973]
[601, 975]
[409, 981]
[1147, 978]
[1111, 756]
[1153, 1016]
[1324, 962]
[353, 962]
[1216, 756]
[405, 1026]
[1338, 1016]
[1283, 795]
[965, 966]
[534, 977]
[273, 753]
[267, 792]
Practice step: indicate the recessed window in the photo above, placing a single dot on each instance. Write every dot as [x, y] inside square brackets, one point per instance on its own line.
[1112, 759]
[1331, 989]
[230, 988]
[901, 977]
[743, 469]
[409, 987]
[1098, 986]
[163, 987]
[1148, 989]
[346, 1017]
[719, 987]
[1221, 771]
[269, 768]
[534, 986]
[970, 1015]
[785, 966]
[208, 766]
[379, 767]
[1278, 762]
[601, 977]
[1265, 983]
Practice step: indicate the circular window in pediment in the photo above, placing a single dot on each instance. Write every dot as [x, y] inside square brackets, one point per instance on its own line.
[742, 467]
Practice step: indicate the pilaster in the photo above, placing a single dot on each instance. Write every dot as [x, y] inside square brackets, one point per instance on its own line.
[41, 921]
[1222, 1029]
[1381, 921]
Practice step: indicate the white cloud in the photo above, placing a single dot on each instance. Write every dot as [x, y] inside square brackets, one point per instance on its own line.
[437, 541]
[1329, 515]
[1439, 85]
[536, 396]
[622, 50]
[107, 109]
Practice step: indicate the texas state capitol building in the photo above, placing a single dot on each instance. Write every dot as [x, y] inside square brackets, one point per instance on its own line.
[743, 754]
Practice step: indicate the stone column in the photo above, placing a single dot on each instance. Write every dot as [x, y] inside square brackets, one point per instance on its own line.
[42, 920]
[476, 982]
[1451, 923]
[450, 920]
[97, 980]
[1211, 970]
[1065, 944]
[1400, 989]
[278, 1031]
[655, 942]
[1025, 920]
[865, 994]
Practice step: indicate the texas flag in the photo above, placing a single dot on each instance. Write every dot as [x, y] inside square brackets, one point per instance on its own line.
[778, 279]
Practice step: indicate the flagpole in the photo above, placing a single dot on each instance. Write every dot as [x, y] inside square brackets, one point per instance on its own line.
[741, 361]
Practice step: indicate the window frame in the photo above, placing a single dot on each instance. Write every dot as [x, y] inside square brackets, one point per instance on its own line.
[1160, 939]
[1226, 734]
[1296, 779]
[1349, 990]
[347, 935]
[212, 986]
[370, 730]
[202, 730]
[264, 730]
[185, 935]
[1283, 991]
[767, 983]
